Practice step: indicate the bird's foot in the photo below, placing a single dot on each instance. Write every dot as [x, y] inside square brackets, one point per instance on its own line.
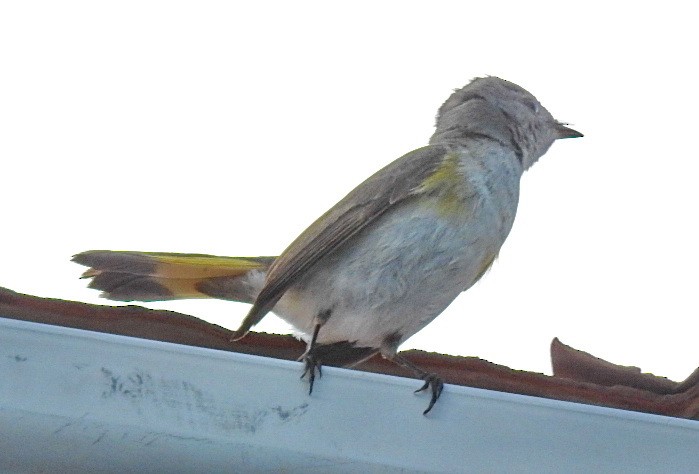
[311, 367]
[435, 384]
[432, 381]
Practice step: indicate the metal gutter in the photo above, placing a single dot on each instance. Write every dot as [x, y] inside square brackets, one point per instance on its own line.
[75, 400]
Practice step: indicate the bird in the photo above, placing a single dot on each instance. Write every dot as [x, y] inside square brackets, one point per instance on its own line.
[390, 256]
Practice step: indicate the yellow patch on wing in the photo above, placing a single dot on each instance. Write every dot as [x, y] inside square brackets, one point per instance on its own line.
[447, 184]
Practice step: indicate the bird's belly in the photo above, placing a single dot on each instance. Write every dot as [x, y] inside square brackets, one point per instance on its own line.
[392, 279]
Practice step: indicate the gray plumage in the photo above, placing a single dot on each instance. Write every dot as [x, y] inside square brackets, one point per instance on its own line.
[398, 249]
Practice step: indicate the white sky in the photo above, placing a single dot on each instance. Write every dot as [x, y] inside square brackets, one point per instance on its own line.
[214, 128]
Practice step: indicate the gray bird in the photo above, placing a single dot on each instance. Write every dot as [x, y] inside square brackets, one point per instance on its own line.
[390, 256]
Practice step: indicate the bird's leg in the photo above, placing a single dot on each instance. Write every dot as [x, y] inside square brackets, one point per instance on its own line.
[312, 363]
[432, 381]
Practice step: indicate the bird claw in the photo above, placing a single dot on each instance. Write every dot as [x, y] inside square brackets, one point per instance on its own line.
[311, 366]
[436, 385]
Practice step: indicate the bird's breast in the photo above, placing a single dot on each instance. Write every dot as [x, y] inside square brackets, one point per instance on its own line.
[406, 267]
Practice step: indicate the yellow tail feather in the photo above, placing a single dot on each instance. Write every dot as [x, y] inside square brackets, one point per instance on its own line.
[157, 276]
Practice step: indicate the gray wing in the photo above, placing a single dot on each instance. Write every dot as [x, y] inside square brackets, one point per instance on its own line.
[390, 185]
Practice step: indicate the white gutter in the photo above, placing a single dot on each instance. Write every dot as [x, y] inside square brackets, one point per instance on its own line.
[75, 400]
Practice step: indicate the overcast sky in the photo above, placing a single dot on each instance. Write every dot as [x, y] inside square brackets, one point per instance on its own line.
[213, 128]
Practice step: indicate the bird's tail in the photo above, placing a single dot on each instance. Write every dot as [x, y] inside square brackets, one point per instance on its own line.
[157, 276]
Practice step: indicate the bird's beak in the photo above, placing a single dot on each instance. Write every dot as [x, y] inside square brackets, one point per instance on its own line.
[564, 132]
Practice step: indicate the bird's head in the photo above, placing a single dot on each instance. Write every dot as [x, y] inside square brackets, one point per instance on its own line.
[503, 111]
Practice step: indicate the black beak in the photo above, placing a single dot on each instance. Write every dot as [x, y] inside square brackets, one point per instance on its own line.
[564, 132]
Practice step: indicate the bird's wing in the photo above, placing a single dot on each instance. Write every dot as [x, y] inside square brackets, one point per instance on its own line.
[390, 185]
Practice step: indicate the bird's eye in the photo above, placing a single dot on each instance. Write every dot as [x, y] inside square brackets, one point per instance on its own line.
[533, 105]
